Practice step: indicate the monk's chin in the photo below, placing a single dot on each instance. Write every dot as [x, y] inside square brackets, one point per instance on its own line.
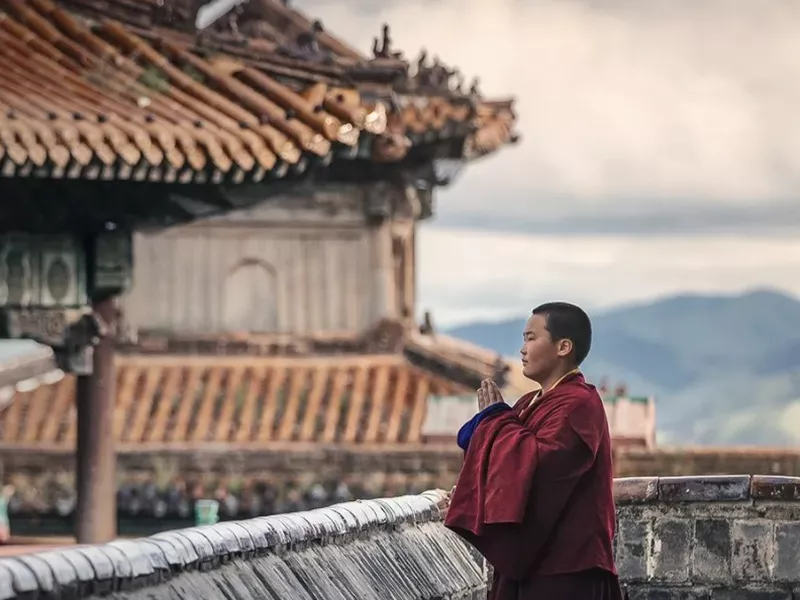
[529, 373]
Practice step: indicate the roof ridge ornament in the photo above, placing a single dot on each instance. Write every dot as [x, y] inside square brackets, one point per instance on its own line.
[212, 11]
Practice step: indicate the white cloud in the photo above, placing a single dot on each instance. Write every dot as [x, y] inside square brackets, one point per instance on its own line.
[623, 104]
[468, 275]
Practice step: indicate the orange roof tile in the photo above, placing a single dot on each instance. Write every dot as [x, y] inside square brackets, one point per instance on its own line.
[175, 401]
[115, 100]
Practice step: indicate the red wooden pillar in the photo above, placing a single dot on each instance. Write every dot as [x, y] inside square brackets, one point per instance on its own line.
[96, 510]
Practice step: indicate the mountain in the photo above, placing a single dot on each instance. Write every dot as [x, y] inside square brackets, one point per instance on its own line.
[724, 369]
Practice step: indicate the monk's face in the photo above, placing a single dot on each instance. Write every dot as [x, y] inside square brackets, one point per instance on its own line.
[540, 353]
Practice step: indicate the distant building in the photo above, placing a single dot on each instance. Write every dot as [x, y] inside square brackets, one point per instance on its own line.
[631, 419]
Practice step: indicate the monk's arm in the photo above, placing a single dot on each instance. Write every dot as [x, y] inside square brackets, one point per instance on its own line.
[560, 452]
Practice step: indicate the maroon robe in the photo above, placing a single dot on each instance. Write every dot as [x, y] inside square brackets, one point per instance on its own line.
[535, 497]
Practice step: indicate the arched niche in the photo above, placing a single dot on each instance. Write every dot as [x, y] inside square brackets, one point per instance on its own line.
[250, 299]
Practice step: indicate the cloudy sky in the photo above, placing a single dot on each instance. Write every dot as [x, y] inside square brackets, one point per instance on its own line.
[660, 152]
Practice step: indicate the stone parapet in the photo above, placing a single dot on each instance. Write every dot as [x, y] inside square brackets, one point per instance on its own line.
[720, 537]
[392, 548]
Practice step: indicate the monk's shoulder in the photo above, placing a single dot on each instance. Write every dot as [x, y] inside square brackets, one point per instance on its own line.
[586, 395]
[586, 403]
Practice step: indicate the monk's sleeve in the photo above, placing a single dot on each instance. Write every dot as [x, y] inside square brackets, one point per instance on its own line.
[514, 484]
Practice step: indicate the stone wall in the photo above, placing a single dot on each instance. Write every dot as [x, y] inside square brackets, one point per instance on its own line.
[378, 549]
[679, 538]
[718, 537]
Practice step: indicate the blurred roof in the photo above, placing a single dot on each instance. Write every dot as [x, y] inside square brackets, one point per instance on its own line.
[24, 366]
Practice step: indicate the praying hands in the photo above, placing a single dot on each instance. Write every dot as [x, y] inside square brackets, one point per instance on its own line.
[488, 394]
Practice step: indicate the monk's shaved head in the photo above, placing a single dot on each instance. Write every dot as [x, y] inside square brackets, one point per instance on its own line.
[568, 322]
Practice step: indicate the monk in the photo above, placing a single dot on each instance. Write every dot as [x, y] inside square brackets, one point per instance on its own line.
[535, 491]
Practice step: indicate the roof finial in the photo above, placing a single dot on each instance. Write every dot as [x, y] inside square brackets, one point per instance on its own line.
[422, 61]
[474, 89]
[383, 48]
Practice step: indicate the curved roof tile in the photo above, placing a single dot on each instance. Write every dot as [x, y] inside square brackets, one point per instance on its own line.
[76, 93]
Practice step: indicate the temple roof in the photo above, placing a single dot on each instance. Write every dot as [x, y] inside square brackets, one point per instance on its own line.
[186, 402]
[127, 90]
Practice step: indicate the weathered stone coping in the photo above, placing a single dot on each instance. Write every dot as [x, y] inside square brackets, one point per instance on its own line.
[709, 488]
[376, 548]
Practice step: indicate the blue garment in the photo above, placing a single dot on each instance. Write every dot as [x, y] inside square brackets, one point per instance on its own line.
[466, 431]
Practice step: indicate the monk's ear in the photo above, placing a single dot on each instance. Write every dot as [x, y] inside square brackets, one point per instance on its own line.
[564, 347]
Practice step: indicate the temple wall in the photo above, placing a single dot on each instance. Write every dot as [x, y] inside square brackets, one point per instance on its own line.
[679, 538]
[294, 265]
[160, 487]
[635, 462]
[281, 475]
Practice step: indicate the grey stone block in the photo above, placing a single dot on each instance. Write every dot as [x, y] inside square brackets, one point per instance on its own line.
[45, 579]
[84, 571]
[410, 512]
[123, 570]
[321, 525]
[6, 584]
[174, 552]
[787, 552]
[382, 517]
[646, 592]
[433, 499]
[337, 524]
[635, 490]
[157, 555]
[298, 531]
[392, 513]
[202, 545]
[670, 550]
[23, 579]
[62, 570]
[753, 548]
[246, 541]
[751, 593]
[353, 523]
[776, 488]
[709, 488]
[712, 550]
[222, 547]
[256, 534]
[275, 531]
[231, 544]
[181, 543]
[101, 563]
[363, 514]
[633, 540]
[139, 562]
